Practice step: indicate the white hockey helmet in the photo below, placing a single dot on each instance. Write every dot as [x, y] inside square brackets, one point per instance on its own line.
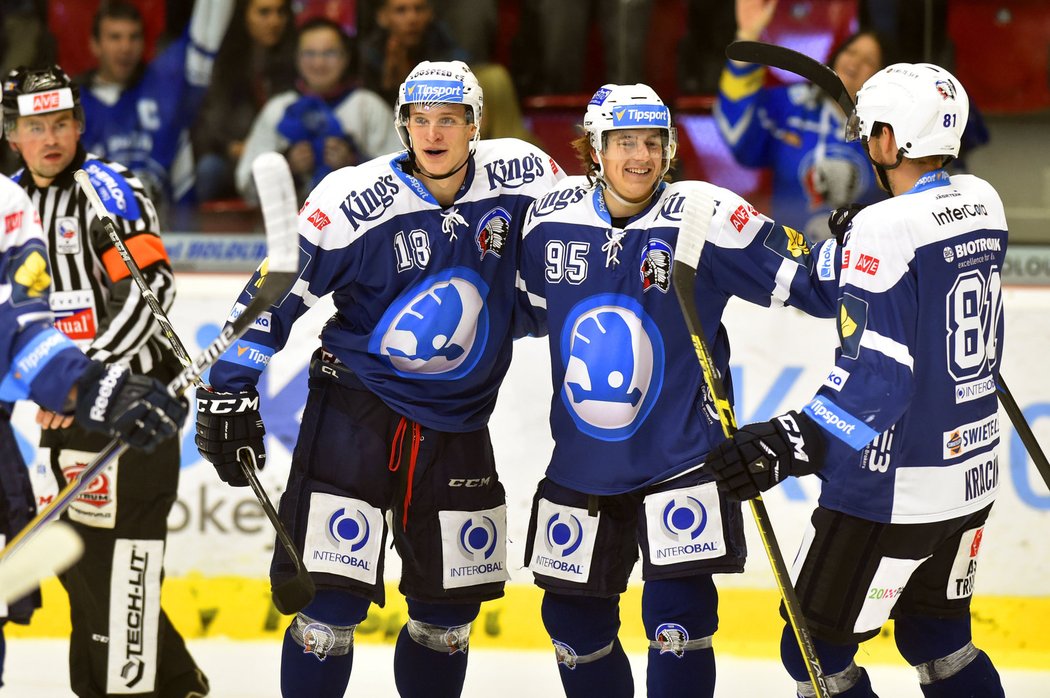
[439, 82]
[628, 106]
[924, 103]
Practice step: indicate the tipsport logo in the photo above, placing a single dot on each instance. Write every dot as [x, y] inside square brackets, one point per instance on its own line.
[644, 116]
[477, 538]
[684, 519]
[434, 91]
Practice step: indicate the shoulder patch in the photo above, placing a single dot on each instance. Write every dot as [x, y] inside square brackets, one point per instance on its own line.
[116, 194]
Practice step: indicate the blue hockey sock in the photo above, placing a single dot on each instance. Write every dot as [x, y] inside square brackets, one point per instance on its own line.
[318, 655]
[430, 658]
[942, 651]
[591, 661]
[978, 679]
[302, 674]
[680, 616]
[844, 678]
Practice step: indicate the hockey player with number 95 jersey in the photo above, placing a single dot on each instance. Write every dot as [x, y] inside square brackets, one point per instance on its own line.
[419, 249]
[631, 415]
[907, 426]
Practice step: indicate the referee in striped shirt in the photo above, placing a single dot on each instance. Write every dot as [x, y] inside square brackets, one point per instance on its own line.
[122, 641]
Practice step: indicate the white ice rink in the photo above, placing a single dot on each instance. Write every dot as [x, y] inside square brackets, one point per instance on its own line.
[238, 669]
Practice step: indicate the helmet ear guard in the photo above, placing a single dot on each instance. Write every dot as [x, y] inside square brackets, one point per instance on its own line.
[615, 107]
[29, 92]
[439, 82]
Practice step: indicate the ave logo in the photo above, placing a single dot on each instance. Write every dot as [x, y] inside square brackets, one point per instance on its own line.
[46, 101]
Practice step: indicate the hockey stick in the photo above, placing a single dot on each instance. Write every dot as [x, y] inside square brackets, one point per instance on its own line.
[828, 80]
[692, 234]
[51, 552]
[278, 273]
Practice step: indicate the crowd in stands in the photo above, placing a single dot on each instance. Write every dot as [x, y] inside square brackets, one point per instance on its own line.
[317, 79]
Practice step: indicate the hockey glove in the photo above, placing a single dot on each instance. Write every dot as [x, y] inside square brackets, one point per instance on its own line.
[137, 409]
[230, 427]
[761, 455]
[841, 219]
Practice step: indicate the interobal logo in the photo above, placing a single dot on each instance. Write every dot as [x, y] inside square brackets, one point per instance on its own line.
[477, 538]
[683, 519]
[563, 534]
[346, 529]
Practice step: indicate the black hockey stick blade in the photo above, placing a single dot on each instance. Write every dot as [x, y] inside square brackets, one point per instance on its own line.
[1031, 445]
[792, 61]
[692, 234]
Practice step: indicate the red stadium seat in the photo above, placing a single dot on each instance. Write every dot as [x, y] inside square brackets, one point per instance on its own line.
[70, 23]
[1001, 53]
[343, 12]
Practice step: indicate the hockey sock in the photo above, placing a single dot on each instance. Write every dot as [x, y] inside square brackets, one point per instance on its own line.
[942, 651]
[680, 616]
[591, 661]
[978, 679]
[317, 656]
[430, 658]
[844, 678]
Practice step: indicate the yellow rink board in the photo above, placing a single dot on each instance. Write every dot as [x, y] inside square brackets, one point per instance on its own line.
[1012, 629]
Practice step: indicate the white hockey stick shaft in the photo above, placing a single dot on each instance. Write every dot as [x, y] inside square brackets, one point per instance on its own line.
[51, 552]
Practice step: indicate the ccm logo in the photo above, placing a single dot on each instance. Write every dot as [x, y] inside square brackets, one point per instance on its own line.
[229, 405]
[470, 482]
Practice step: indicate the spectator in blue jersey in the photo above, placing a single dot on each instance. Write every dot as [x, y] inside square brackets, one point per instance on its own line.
[418, 249]
[140, 114]
[904, 432]
[631, 415]
[327, 121]
[255, 62]
[39, 363]
[796, 130]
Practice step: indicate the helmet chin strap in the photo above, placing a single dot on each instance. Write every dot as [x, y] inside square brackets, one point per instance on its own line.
[420, 170]
[612, 191]
[880, 169]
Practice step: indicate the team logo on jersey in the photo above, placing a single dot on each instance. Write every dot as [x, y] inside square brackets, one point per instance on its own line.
[946, 89]
[787, 242]
[67, 235]
[853, 318]
[438, 328]
[671, 638]
[30, 277]
[655, 268]
[614, 365]
[493, 232]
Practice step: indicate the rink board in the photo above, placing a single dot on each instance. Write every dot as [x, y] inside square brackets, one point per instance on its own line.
[220, 543]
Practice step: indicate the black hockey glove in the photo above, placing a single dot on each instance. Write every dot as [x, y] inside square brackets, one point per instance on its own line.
[228, 425]
[138, 409]
[840, 220]
[761, 455]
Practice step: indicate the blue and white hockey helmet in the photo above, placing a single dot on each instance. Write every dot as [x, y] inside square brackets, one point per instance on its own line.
[924, 103]
[627, 106]
[439, 82]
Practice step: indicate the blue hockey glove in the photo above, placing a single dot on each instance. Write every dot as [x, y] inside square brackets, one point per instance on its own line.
[761, 455]
[138, 409]
[230, 427]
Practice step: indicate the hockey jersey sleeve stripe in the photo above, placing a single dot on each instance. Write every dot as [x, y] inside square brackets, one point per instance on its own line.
[145, 250]
[535, 300]
[30, 361]
[737, 83]
[840, 423]
[889, 348]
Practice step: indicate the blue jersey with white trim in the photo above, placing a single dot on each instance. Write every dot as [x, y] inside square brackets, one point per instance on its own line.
[910, 407]
[630, 406]
[423, 294]
[36, 361]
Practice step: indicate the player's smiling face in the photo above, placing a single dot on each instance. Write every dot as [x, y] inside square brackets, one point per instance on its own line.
[440, 136]
[633, 162]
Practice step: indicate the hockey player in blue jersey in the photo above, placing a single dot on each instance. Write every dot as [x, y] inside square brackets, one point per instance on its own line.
[631, 417]
[419, 249]
[904, 432]
[39, 363]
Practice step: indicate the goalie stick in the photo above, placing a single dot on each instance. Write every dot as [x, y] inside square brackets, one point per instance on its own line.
[51, 552]
[692, 234]
[277, 274]
[828, 80]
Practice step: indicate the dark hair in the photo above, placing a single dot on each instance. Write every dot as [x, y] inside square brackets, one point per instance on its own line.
[887, 49]
[114, 9]
[235, 53]
[344, 40]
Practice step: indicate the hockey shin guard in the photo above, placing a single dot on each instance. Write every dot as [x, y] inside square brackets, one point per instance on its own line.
[844, 678]
[680, 617]
[591, 661]
[430, 658]
[317, 656]
[942, 651]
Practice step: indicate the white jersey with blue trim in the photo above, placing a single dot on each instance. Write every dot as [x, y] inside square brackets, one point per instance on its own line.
[36, 360]
[910, 407]
[630, 405]
[423, 293]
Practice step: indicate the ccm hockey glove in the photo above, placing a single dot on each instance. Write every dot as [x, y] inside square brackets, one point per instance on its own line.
[840, 220]
[137, 409]
[761, 455]
[229, 425]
